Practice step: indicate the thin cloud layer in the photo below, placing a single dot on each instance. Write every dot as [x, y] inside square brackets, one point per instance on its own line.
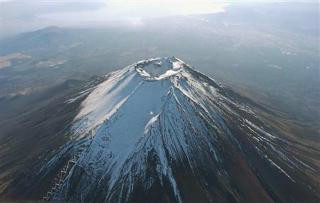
[24, 15]
[128, 9]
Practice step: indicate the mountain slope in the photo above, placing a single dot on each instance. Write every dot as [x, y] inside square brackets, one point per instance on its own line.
[159, 131]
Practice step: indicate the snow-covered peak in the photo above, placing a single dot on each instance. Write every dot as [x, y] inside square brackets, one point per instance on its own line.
[159, 68]
[124, 85]
[154, 127]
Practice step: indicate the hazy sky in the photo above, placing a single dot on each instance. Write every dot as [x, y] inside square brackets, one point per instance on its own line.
[21, 15]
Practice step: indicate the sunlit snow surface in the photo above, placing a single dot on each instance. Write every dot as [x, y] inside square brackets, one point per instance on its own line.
[117, 112]
[159, 107]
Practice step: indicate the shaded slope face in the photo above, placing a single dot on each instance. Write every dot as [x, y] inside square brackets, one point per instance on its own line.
[159, 131]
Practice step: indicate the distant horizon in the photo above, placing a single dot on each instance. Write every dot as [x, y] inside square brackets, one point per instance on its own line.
[22, 16]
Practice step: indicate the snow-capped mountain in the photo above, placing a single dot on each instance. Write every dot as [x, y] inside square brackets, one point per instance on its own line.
[159, 131]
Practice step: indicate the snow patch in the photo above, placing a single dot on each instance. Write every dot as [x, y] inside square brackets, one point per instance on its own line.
[159, 68]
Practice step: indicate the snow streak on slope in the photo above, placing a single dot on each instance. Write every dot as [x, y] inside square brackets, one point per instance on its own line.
[149, 123]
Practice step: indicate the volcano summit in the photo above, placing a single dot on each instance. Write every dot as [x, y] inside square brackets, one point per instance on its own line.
[160, 131]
